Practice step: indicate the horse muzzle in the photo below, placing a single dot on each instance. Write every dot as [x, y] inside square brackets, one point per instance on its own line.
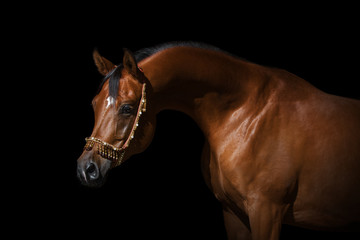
[90, 172]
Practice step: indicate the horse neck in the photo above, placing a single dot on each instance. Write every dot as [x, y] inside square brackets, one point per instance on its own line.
[201, 83]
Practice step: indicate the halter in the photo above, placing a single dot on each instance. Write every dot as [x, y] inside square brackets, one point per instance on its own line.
[110, 152]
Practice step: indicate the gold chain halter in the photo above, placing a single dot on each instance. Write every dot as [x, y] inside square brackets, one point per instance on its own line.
[110, 152]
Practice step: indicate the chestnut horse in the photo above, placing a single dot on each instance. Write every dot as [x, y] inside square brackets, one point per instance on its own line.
[277, 150]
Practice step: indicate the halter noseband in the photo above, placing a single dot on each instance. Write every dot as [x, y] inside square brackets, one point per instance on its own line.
[110, 152]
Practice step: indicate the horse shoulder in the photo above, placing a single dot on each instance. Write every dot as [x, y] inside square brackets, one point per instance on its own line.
[247, 160]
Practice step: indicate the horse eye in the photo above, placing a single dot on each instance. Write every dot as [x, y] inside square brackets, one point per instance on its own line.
[126, 109]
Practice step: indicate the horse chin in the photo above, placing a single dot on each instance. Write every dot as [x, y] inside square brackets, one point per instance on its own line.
[95, 183]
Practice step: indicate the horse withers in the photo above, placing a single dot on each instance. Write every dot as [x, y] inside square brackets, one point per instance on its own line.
[277, 150]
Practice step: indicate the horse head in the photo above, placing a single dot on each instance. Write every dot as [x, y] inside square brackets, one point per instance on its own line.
[124, 125]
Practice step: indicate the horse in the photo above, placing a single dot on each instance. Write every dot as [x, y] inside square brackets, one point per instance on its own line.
[277, 150]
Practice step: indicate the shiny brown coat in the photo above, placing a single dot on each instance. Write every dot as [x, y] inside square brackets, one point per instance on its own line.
[277, 149]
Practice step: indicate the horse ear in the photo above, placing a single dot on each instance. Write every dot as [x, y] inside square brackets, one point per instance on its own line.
[129, 62]
[104, 66]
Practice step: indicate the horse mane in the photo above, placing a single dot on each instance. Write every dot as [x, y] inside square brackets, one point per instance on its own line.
[147, 52]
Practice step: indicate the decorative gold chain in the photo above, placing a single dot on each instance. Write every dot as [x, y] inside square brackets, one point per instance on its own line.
[110, 152]
[104, 149]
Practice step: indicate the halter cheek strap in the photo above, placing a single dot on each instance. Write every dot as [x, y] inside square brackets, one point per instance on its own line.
[110, 152]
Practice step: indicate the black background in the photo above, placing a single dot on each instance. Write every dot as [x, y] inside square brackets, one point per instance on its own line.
[159, 193]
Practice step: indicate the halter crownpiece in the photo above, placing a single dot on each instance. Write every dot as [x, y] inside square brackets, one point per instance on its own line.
[110, 152]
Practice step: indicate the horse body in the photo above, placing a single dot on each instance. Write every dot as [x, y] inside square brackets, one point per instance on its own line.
[283, 142]
[277, 149]
[286, 157]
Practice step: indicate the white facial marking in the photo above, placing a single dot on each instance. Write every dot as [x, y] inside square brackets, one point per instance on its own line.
[110, 101]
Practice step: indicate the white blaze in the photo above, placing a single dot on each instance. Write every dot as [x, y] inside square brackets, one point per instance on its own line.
[110, 101]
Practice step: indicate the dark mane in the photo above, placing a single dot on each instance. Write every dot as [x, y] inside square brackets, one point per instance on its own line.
[147, 52]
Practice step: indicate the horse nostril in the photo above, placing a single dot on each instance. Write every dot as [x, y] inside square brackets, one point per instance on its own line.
[92, 171]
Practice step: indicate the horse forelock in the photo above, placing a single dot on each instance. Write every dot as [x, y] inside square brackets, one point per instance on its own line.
[114, 79]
